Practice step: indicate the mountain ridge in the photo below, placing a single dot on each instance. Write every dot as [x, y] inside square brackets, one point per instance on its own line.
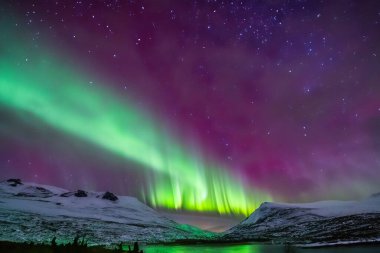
[36, 212]
[304, 223]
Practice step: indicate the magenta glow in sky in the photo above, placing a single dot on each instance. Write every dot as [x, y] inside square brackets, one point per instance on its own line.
[285, 94]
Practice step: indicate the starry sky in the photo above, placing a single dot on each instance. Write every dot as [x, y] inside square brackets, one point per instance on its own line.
[208, 106]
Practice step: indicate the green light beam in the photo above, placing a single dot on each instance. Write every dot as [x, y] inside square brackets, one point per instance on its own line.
[42, 84]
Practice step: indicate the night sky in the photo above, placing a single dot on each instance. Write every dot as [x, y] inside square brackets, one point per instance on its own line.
[198, 105]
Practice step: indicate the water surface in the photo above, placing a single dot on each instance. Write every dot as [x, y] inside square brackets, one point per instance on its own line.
[255, 248]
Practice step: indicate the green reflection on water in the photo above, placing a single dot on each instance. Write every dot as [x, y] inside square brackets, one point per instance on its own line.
[258, 248]
[238, 248]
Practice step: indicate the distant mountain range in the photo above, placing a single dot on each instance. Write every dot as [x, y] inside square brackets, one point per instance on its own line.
[37, 213]
[319, 223]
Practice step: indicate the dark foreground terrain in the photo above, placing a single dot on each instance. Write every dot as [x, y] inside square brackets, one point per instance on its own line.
[75, 247]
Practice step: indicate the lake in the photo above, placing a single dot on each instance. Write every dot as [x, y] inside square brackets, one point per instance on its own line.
[256, 248]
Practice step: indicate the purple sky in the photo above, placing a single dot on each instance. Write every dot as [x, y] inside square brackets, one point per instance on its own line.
[284, 93]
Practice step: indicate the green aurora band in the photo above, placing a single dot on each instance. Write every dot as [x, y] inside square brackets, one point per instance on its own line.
[58, 94]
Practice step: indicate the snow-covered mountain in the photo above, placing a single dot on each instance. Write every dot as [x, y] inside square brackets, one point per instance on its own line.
[319, 222]
[33, 212]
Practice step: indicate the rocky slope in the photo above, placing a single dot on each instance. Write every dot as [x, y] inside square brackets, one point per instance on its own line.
[326, 222]
[32, 212]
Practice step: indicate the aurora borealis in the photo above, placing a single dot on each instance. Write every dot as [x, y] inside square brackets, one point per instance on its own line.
[210, 106]
[100, 118]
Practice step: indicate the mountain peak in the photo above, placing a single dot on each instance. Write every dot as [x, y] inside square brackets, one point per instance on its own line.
[323, 221]
[102, 216]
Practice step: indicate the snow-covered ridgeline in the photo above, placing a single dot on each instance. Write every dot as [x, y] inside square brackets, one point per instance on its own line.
[34, 212]
[319, 222]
